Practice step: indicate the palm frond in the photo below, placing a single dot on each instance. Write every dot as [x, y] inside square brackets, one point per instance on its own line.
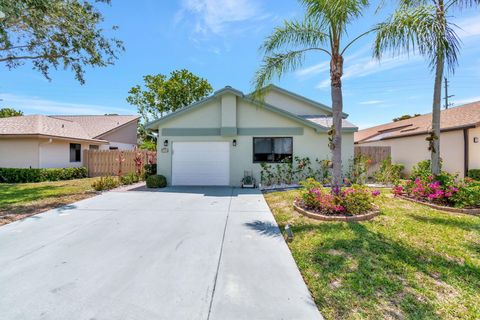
[462, 4]
[276, 65]
[295, 34]
[418, 29]
[337, 14]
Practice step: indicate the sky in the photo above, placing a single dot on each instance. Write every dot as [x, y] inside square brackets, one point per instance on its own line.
[219, 40]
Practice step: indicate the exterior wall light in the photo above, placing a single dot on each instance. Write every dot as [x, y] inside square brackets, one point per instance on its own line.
[165, 143]
[475, 140]
[234, 142]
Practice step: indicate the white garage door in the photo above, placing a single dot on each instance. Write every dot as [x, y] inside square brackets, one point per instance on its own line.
[201, 164]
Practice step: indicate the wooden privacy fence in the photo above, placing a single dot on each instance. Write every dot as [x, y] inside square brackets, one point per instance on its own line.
[376, 154]
[112, 162]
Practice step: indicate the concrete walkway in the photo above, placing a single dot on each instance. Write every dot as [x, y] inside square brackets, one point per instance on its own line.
[179, 253]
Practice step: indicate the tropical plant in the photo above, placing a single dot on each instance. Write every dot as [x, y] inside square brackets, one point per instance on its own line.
[423, 26]
[55, 33]
[322, 30]
[106, 183]
[389, 172]
[10, 112]
[358, 169]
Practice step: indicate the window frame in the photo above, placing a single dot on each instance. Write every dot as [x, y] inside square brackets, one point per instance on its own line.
[79, 153]
[272, 138]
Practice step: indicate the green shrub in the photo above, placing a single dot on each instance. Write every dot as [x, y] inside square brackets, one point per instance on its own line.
[467, 197]
[150, 169]
[129, 178]
[358, 169]
[389, 173]
[357, 200]
[156, 181]
[421, 170]
[106, 183]
[474, 174]
[19, 175]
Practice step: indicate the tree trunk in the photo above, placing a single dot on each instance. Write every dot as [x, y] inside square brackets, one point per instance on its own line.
[437, 97]
[336, 72]
[436, 110]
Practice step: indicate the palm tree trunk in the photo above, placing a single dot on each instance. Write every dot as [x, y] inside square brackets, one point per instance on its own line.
[336, 72]
[437, 97]
[436, 110]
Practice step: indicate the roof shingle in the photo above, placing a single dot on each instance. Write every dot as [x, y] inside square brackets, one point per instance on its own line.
[458, 117]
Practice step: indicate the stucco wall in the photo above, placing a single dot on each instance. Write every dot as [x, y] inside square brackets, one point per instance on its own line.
[310, 144]
[410, 150]
[292, 105]
[474, 148]
[56, 154]
[18, 153]
[125, 137]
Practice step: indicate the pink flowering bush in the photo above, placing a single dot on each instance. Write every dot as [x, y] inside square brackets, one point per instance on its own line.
[352, 200]
[443, 189]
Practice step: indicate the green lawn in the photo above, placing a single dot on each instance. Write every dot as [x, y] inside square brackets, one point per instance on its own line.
[24, 199]
[411, 262]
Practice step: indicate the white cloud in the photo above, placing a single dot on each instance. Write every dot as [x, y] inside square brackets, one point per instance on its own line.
[469, 27]
[313, 70]
[212, 16]
[39, 105]
[466, 100]
[371, 102]
[365, 66]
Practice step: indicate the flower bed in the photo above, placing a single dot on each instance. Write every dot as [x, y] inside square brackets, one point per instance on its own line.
[442, 192]
[348, 204]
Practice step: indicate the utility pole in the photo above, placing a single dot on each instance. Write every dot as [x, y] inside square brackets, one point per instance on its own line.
[446, 95]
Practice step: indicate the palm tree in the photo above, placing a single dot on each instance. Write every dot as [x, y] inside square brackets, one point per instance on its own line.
[422, 26]
[322, 30]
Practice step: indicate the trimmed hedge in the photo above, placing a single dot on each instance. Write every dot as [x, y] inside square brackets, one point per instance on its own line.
[474, 174]
[156, 181]
[16, 175]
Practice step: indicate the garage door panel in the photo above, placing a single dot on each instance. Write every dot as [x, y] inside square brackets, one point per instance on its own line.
[201, 163]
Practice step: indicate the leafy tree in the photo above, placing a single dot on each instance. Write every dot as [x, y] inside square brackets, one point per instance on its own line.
[405, 117]
[322, 30]
[423, 26]
[10, 112]
[55, 33]
[161, 94]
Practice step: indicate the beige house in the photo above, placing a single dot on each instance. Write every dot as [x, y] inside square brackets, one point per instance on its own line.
[40, 141]
[459, 140]
[214, 141]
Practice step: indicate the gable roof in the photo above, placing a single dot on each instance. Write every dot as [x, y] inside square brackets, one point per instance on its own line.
[460, 117]
[302, 119]
[294, 95]
[87, 128]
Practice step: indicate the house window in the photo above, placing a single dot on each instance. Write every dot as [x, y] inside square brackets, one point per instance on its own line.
[93, 147]
[112, 148]
[272, 150]
[75, 152]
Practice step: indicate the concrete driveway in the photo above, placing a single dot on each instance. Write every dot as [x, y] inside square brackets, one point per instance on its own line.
[181, 253]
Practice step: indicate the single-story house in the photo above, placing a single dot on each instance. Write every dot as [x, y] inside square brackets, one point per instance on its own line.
[39, 141]
[459, 139]
[214, 141]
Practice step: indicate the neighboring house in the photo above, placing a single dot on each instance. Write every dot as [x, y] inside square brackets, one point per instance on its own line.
[39, 141]
[459, 139]
[214, 141]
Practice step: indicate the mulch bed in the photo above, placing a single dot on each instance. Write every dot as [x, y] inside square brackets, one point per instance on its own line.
[472, 211]
[345, 218]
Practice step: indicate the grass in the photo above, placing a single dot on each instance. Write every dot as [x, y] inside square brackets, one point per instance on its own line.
[411, 262]
[24, 199]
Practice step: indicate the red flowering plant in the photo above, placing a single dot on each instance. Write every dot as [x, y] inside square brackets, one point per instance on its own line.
[353, 200]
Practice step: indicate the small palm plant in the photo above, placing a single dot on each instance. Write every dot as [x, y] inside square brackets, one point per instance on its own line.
[422, 26]
[322, 30]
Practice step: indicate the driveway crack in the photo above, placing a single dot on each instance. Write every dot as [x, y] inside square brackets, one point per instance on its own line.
[220, 256]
